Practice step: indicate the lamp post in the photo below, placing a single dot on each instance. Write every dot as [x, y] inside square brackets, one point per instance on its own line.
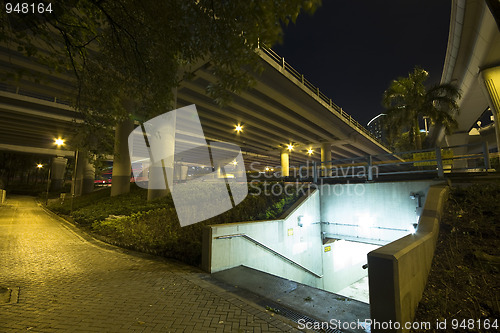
[48, 185]
[73, 181]
[425, 124]
[58, 142]
[38, 167]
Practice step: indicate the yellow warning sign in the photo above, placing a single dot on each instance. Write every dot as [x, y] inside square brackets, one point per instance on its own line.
[446, 155]
[328, 248]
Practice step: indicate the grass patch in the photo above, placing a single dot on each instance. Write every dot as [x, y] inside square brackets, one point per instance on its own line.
[131, 221]
[464, 282]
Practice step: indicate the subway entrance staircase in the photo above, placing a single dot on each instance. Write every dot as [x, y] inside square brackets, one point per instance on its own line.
[296, 301]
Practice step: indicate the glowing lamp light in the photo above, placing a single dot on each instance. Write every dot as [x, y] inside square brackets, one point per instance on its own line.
[59, 142]
[238, 128]
[289, 147]
[235, 163]
[366, 222]
[39, 165]
[267, 168]
[310, 151]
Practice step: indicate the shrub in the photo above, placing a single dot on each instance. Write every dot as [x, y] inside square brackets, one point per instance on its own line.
[463, 281]
[131, 221]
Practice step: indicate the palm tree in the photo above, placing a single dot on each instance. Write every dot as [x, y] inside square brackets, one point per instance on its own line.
[407, 100]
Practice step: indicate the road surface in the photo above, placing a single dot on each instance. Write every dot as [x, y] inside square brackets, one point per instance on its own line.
[62, 280]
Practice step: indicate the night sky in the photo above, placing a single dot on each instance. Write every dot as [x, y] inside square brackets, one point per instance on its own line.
[352, 50]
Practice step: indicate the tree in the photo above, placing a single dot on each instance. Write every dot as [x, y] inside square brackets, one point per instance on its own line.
[407, 101]
[137, 49]
[127, 56]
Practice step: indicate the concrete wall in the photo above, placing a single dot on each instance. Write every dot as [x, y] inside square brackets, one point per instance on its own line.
[377, 211]
[398, 271]
[300, 244]
[342, 263]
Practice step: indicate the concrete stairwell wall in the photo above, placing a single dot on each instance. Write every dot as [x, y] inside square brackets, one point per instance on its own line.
[375, 211]
[300, 244]
[398, 271]
[353, 226]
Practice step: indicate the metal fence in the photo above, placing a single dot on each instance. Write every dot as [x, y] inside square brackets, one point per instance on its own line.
[307, 84]
[434, 161]
[23, 92]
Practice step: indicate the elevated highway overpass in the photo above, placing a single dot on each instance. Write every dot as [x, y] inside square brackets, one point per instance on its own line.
[473, 63]
[282, 108]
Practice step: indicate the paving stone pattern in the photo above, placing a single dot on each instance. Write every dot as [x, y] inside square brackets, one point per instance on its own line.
[69, 282]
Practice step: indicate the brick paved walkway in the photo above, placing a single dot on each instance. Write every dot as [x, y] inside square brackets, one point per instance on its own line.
[70, 282]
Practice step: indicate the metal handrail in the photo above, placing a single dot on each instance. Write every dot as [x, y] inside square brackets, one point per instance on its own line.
[288, 68]
[23, 92]
[256, 242]
[368, 162]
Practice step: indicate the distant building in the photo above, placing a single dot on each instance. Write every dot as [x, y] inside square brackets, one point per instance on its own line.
[375, 127]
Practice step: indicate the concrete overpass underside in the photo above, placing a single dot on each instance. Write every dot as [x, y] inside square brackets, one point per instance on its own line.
[31, 125]
[473, 63]
[281, 109]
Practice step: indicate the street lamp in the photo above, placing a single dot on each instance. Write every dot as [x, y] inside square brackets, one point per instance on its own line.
[425, 124]
[58, 142]
[38, 167]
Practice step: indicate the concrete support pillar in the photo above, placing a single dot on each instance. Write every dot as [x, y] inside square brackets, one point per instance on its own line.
[458, 139]
[285, 163]
[217, 171]
[496, 119]
[491, 87]
[184, 172]
[76, 185]
[163, 171]
[159, 175]
[121, 161]
[58, 169]
[85, 175]
[239, 174]
[326, 156]
[88, 178]
[180, 172]
[177, 172]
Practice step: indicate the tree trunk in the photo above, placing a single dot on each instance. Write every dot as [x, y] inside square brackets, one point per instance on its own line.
[418, 138]
[120, 183]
